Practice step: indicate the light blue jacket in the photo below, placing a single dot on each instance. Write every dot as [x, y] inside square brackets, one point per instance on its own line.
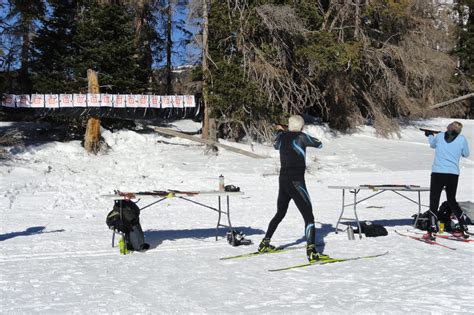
[447, 155]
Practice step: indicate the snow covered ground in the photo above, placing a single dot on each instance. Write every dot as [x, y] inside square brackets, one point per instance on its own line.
[56, 255]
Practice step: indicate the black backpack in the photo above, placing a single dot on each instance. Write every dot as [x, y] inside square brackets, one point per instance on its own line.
[423, 221]
[123, 216]
[444, 213]
[372, 230]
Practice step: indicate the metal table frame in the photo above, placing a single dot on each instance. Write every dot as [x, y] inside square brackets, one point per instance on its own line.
[186, 196]
[378, 189]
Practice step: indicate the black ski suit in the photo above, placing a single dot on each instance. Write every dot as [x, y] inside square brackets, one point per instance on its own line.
[292, 147]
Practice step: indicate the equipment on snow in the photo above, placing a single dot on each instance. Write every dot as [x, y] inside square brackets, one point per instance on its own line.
[350, 233]
[124, 218]
[327, 260]
[124, 214]
[221, 182]
[257, 253]
[236, 238]
[313, 255]
[448, 237]
[423, 222]
[461, 231]
[231, 188]
[429, 236]
[265, 246]
[443, 215]
[421, 239]
[372, 230]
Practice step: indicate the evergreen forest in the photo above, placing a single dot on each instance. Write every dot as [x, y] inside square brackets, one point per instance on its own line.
[346, 62]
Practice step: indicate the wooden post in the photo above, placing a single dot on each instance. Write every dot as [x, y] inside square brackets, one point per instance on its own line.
[92, 137]
[212, 129]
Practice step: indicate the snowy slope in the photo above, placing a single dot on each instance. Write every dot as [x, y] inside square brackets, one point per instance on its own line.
[56, 255]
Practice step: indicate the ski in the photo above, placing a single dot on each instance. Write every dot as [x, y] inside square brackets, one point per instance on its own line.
[448, 237]
[329, 260]
[420, 239]
[454, 238]
[277, 250]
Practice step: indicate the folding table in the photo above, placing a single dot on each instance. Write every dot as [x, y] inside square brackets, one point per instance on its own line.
[377, 189]
[185, 195]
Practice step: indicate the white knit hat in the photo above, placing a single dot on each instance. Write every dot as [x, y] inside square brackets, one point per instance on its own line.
[295, 123]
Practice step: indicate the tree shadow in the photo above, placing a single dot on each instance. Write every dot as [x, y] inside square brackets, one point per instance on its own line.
[156, 237]
[28, 232]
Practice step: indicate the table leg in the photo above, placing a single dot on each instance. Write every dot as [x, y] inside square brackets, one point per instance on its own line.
[228, 213]
[220, 214]
[342, 210]
[355, 213]
[419, 210]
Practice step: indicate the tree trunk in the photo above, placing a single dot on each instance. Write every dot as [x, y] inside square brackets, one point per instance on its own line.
[205, 69]
[454, 100]
[25, 51]
[169, 46]
[92, 137]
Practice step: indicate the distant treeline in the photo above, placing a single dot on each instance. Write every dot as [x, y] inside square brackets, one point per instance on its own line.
[48, 45]
[347, 62]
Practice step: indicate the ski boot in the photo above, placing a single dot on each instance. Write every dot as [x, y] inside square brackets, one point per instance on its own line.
[460, 231]
[430, 234]
[265, 246]
[313, 255]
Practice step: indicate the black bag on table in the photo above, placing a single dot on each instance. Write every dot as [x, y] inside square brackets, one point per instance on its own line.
[125, 218]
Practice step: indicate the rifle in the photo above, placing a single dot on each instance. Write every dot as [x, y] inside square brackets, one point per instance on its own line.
[429, 131]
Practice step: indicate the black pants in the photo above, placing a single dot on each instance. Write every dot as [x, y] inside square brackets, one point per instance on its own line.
[297, 191]
[450, 183]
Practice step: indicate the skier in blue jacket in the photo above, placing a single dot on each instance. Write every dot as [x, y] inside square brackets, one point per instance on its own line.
[292, 146]
[449, 147]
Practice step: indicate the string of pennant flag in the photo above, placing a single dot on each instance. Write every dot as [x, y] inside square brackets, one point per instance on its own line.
[98, 100]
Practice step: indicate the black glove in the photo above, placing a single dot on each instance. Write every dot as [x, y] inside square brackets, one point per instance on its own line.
[428, 133]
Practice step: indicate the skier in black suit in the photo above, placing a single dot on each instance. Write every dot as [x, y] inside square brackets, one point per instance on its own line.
[292, 146]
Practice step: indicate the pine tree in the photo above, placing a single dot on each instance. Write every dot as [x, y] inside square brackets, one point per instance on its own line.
[53, 51]
[24, 14]
[465, 48]
[106, 43]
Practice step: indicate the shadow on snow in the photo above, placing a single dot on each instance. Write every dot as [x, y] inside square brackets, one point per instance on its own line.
[156, 237]
[28, 232]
